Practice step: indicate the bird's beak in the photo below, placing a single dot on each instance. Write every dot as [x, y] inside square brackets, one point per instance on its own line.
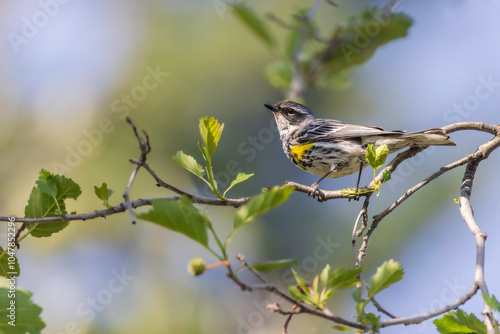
[270, 107]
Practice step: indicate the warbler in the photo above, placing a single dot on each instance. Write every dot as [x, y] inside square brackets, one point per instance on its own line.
[331, 148]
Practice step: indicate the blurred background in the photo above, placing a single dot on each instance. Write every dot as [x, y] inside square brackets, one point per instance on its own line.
[70, 71]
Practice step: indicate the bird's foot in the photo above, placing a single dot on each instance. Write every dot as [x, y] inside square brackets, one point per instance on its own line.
[358, 195]
[315, 192]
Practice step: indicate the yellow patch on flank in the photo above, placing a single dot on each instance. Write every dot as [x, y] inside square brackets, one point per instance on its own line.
[298, 151]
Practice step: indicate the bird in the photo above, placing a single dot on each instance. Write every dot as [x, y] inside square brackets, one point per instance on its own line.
[332, 148]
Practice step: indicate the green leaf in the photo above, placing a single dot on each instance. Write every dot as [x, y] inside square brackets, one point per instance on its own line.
[103, 193]
[41, 204]
[180, 216]
[27, 313]
[361, 303]
[387, 274]
[361, 37]
[342, 278]
[241, 177]
[210, 131]
[67, 188]
[9, 269]
[386, 175]
[255, 24]
[324, 276]
[301, 282]
[259, 205]
[298, 295]
[48, 186]
[280, 74]
[268, 266]
[491, 302]
[376, 156]
[189, 163]
[459, 322]
[373, 320]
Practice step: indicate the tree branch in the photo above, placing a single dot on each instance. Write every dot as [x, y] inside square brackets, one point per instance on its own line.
[422, 317]
[193, 197]
[145, 149]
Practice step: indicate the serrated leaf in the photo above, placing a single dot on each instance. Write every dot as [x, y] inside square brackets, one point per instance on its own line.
[259, 205]
[241, 177]
[27, 316]
[41, 205]
[492, 302]
[210, 131]
[280, 74]
[255, 24]
[342, 278]
[9, 269]
[103, 193]
[45, 174]
[387, 274]
[376, 156]
[268, 266]
[362, 36]
[180, 216]
[48, 186]
[67, 188]
[189, 163]
[459, 322]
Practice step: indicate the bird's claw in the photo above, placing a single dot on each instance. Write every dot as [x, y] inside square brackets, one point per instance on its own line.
[315, 192]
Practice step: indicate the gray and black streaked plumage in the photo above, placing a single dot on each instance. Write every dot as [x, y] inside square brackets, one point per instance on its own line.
[330, 148]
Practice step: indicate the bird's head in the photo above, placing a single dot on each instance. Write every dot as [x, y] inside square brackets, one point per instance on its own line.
[289, 114]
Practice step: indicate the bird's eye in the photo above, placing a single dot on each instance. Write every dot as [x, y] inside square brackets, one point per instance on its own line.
[289, 111]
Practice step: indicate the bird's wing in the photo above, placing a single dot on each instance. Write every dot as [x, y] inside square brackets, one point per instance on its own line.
[327, 130]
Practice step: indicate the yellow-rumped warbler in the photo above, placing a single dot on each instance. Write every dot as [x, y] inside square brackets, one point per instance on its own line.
[330, 148]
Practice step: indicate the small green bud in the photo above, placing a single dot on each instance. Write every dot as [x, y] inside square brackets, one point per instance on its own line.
[196, 266]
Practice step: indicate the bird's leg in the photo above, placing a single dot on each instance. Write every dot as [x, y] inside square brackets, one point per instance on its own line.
[359, 179]
[315, 192]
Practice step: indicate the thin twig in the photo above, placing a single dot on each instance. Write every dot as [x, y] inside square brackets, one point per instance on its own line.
[416, 319]
[193, 197]
[288, 319]
[122, 207]
[278, 21]
[145, 148]
[381, 309]
[363, 213]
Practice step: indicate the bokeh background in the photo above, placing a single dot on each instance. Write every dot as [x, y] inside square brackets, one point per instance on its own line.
[90, 63]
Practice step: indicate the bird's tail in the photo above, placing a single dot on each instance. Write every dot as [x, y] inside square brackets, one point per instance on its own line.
[429, 137]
